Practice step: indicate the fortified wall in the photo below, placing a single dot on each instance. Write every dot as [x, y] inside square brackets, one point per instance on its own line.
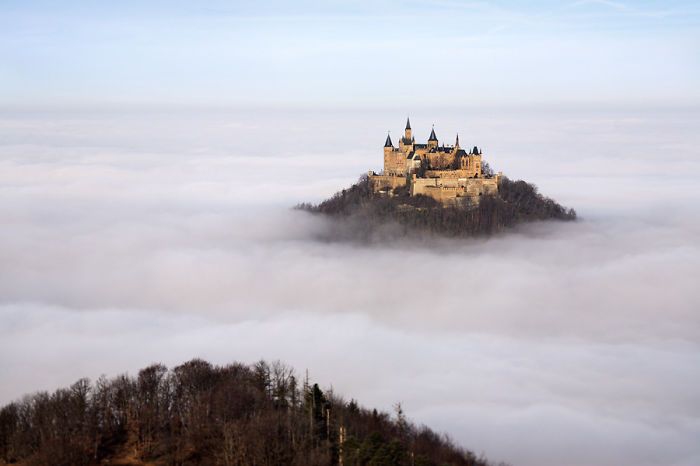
[448, 174]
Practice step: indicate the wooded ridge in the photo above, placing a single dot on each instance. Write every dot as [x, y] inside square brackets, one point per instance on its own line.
[201, 414]
[368, 212]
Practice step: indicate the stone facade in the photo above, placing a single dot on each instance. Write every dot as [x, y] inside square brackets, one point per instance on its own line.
[447, 173]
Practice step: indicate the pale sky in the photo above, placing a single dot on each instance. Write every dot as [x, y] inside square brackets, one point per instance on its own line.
[380, 53]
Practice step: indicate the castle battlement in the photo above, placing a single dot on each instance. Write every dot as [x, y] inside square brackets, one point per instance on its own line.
[446, 173]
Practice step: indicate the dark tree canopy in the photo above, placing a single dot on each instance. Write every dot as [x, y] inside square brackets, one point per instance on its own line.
[200, 414]
[516, 202]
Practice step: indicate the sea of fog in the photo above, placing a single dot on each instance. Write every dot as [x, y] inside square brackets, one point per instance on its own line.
[134, 236]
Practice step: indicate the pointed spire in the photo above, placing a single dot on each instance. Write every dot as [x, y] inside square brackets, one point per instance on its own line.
[457, 141]
[408, 123]
[432, 135]
[388, 141]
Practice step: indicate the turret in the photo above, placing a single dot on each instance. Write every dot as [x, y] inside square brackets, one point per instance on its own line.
[406, 142]
[432, 140]
[388, 149]
[476, 157]
[388, 141]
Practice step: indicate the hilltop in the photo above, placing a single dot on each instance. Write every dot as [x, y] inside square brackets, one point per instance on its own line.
[435, 188]
[363, 213]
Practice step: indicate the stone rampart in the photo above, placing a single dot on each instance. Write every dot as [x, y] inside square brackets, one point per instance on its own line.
[447, 190]
[383, 182]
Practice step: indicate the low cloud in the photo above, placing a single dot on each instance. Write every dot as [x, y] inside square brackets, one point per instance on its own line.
[567, 343]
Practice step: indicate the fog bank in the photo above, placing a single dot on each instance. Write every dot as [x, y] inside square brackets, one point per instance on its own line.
[129, 238]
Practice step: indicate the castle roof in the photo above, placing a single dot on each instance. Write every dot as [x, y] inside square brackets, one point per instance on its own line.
[432, 135]
[408, 123]
[388, 142]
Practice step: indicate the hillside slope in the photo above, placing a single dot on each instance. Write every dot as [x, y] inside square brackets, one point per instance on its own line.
[200, 414]
[365, 214]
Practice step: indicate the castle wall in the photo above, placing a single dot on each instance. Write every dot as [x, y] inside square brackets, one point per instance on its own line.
[379, 182]
[474, 187]
[446, 174]
[448, 190]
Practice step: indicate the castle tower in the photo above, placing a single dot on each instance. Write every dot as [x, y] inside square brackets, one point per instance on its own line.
[388, 146]
[457, 142]
[388, 141]
[432, 140]
[390, 156]
[476, 157]
[407, 141]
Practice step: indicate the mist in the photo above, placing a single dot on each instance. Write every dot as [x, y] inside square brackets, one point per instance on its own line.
[134, 236]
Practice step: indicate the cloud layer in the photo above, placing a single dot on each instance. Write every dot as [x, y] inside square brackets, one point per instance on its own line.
[132, 238]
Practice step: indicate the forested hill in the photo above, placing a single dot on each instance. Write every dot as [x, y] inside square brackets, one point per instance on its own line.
[363, 214]
[200, 414]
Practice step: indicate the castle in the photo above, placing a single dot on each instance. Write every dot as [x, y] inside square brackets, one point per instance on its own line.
[448, 174]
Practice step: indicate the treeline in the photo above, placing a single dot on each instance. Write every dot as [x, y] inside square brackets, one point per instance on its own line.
[200, 414]
[367, 212]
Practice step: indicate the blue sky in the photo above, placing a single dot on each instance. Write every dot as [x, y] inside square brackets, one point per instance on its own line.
[381, 53]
